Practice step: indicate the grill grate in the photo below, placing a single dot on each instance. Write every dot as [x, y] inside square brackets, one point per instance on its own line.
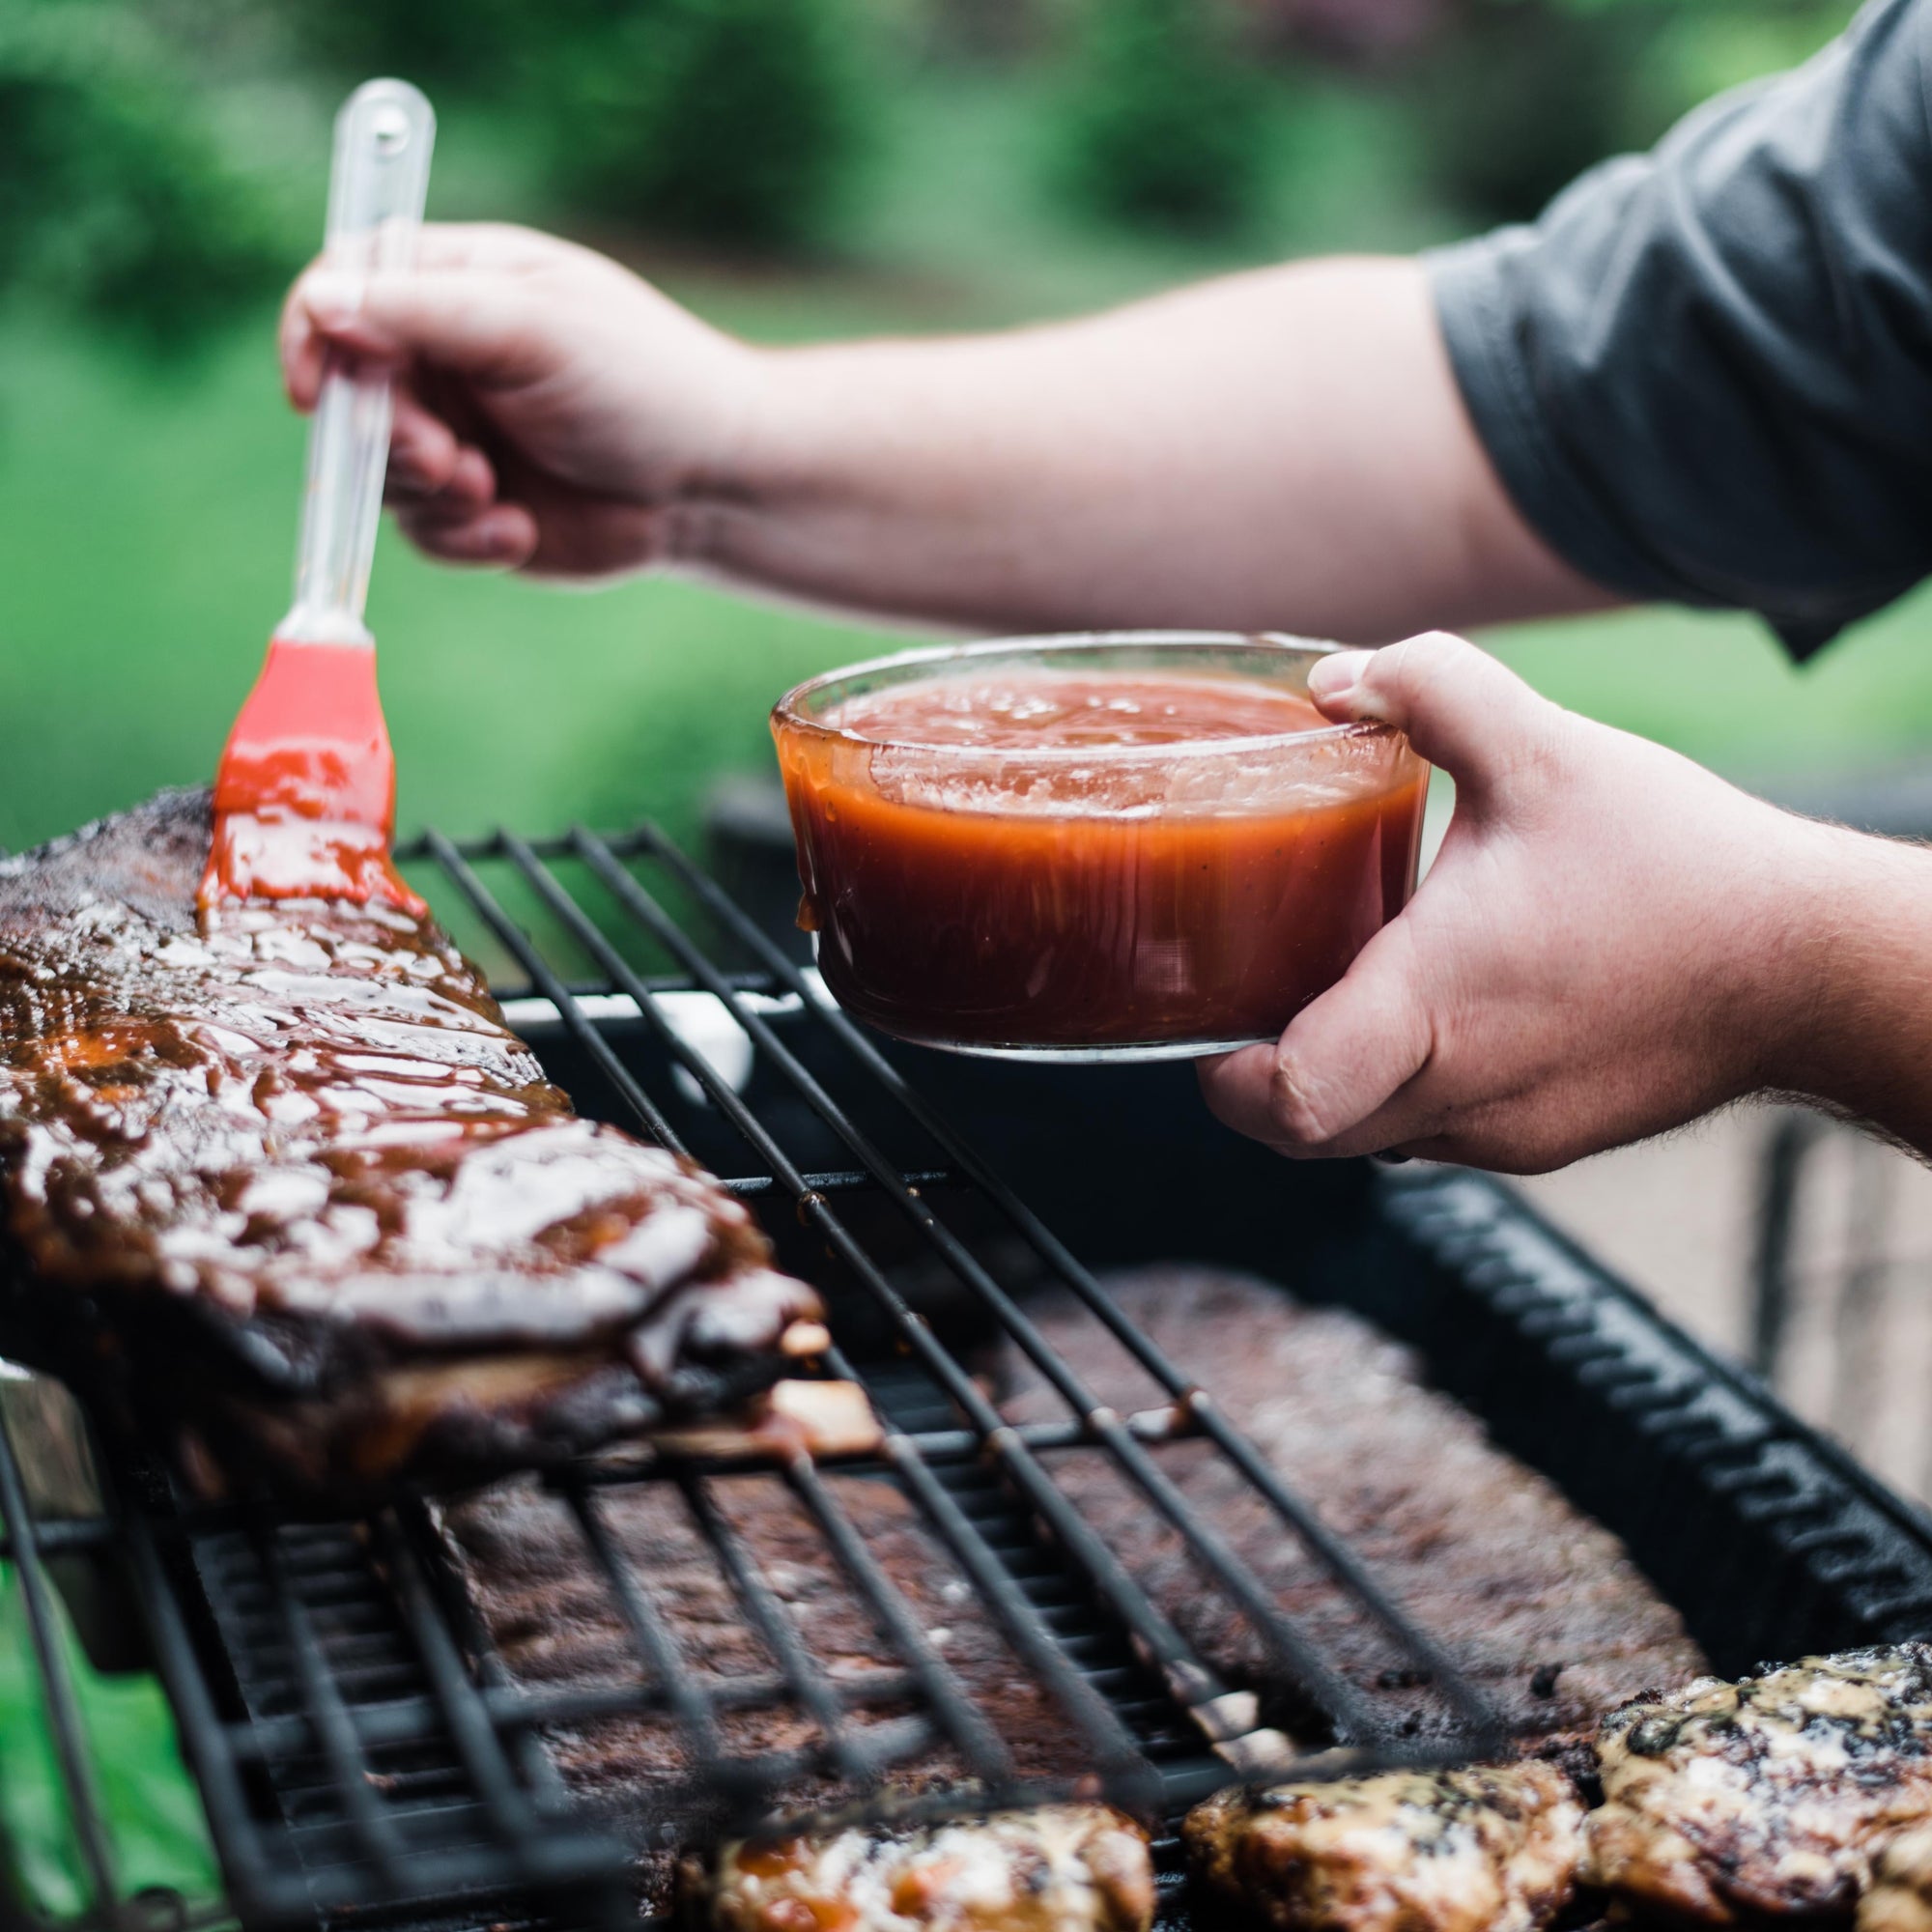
[364, 1753]
[357, 1740]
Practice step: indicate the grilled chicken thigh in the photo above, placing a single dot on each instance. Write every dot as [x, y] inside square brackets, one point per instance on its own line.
[1900, 1898]
[1054, 1868]
[1768, 1795]
[1489, 1849]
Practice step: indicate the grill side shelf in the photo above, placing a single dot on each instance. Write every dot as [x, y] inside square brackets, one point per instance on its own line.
[1771, 1541]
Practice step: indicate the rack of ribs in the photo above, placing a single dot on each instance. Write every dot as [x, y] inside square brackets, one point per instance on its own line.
[1539, 1606]
[281, 1180]
[551, 1612]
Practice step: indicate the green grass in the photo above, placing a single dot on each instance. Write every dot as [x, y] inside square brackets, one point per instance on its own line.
[150, 521]
[1721, 687]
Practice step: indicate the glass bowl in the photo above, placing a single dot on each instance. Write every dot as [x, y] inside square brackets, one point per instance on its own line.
[1041, 854]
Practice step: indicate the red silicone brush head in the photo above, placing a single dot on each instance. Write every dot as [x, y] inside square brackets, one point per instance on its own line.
[306, 795]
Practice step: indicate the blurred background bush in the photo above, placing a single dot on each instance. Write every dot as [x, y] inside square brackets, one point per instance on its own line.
[790, 167]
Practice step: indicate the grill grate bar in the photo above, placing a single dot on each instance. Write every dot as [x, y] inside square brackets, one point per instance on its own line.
[553, 989]
[205, 1738]
[510, 1707]
[496, 1687]
[801, 1673]
[326, 1718]
[1342, 1561]
[847, 1181]
[985, 1756]
[1199, 1683]
[1119, 1758]
[690, 1706]
[538, 1848]
[62, 1708]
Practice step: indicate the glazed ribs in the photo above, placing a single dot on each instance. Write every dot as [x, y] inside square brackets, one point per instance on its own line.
[282, 1179]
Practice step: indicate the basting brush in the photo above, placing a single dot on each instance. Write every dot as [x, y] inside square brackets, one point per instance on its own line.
[305, 794]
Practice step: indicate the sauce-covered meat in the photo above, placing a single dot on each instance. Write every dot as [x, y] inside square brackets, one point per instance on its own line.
[1540, 1605]
[300, 1132]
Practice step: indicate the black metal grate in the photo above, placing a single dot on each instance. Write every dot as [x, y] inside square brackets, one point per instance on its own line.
[365, 1756]
[357, 1742]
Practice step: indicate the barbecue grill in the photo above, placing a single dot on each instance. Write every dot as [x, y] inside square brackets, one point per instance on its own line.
[366, 1758]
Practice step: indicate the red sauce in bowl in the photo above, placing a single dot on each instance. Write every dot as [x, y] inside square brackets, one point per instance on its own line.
[1045, 859]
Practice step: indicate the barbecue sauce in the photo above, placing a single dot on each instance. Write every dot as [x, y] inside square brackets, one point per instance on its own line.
[306, 795]
[310, 1118]
[962, 894]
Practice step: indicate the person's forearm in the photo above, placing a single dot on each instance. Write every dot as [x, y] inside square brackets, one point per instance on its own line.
[1282, 449]
[1857, 1032]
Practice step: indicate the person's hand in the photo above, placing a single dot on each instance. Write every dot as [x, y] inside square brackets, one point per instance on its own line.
[554, 411]
[1611, 942]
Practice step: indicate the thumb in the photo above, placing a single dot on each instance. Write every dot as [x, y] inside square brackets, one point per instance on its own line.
[1461, 709]
[1343, 1057]
[474, 322]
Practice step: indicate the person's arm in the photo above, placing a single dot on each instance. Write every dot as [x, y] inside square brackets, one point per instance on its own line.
[1610, 942]
[1285, 449]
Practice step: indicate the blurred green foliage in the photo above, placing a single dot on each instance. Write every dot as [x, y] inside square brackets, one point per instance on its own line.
[136, 190]
[161, 159]
[1524, 95]
[732, 121]
[1164, 119]
[113, 201]
[1523, 99]
[736, 122]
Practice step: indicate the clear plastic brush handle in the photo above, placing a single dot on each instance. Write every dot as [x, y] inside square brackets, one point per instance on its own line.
[384, 135]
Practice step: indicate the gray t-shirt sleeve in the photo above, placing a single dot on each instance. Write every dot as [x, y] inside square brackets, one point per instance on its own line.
[1705, 374]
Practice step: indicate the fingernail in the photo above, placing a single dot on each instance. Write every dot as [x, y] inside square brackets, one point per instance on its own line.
[333, 298]
[1332, 678]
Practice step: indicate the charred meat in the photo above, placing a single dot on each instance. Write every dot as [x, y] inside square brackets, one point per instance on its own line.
[1770, 1796]
[1483, 1849]
[1540, 1605]
[284, 1176]
[1052, 1868]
